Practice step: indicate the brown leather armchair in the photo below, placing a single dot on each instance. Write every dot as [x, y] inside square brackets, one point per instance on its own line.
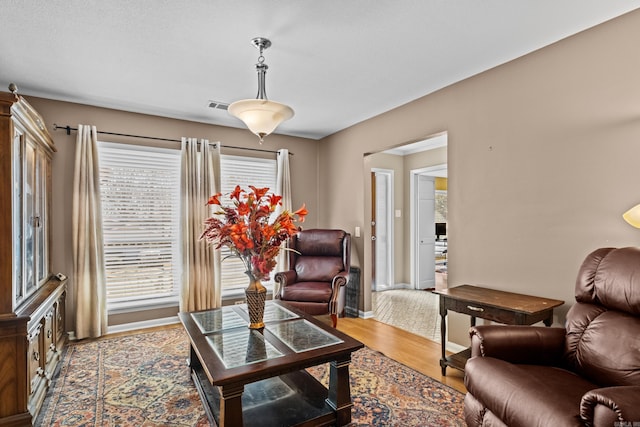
[319, 270]
[586, 374]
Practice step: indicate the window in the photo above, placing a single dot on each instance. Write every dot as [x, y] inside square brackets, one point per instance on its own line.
[243, 171]
[140, 194]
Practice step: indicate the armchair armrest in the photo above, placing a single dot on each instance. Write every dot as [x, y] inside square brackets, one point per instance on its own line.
[519, 344]
[283, 278]
[605, 406]
[336, 303]
[339, 280]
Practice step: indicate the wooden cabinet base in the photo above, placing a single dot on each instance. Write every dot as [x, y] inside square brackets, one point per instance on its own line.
[31, 343]
[17, 420]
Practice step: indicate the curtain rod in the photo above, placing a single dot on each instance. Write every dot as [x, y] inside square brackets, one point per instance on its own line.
[68, 129]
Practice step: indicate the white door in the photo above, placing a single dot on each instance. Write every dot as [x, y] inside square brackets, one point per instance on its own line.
[425, 243]
[383, 230]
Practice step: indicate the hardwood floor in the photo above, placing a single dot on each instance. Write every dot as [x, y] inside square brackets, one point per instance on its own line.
[409, 349]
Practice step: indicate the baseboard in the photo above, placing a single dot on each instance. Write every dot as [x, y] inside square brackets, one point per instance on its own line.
[366, 314]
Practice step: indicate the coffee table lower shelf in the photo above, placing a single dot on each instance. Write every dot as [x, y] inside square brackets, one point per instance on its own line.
[293, 399]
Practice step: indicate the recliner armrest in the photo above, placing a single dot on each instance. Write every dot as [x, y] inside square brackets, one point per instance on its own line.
[605, 406]
[519, 344]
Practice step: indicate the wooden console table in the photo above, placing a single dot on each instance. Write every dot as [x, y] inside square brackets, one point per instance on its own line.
[499, 306]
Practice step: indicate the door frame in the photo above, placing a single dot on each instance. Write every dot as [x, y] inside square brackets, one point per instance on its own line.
[413, 188]
[374, 228]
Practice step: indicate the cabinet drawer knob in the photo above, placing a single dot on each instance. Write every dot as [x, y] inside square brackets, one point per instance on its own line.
[36, 356]
[472, 308]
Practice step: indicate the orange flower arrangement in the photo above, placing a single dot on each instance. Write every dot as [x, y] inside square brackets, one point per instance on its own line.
[246, 229]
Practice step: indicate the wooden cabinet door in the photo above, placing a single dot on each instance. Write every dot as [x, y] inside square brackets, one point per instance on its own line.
[49, 337]
[60, 326]
[35, 359]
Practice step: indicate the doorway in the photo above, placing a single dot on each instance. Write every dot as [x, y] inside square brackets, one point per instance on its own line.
[412, 237]
[429, 249]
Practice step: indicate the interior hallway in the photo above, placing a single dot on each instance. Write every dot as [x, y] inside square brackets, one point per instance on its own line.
[415, 311]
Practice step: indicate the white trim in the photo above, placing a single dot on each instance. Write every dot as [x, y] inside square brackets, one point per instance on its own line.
[390, 173]
[414, 173]
[366, 314]
[430, 143]
[403, 286]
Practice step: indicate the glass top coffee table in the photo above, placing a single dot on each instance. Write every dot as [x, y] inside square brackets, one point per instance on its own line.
[256, 377]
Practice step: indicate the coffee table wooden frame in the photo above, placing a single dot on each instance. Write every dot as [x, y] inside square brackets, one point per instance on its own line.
[222, 389]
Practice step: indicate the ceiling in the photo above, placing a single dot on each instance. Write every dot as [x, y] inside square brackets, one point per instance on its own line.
[335, 62]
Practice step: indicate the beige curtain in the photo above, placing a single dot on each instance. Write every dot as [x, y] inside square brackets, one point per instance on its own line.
[283, 188]
[89, 288]
[201, 282]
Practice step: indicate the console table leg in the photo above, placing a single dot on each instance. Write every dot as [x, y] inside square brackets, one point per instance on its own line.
[339, 397]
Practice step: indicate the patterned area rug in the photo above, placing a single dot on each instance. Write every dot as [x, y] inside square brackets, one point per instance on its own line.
[143, 380]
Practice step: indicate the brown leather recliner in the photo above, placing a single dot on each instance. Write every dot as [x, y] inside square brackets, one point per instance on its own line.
[587, 374]
[319, 269]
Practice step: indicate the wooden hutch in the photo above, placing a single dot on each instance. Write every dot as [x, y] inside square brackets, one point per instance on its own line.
[32, 300]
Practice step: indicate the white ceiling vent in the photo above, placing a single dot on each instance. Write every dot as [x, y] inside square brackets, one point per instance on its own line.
[218, 105]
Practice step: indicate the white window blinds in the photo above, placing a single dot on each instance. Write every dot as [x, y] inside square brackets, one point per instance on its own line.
[140, 193]
[243, 171]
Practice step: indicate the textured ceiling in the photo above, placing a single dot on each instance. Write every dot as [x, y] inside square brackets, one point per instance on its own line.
[336, 62]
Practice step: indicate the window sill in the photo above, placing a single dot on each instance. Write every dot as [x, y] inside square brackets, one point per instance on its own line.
[144, 305]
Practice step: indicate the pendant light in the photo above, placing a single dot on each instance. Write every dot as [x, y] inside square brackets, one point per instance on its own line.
[632, 216]
[260, 115]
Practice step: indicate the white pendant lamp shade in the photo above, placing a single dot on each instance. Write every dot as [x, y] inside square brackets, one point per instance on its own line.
[632, 216]
[260, 115]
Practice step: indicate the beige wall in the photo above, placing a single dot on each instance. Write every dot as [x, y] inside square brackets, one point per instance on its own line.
[304, 168]
[542, 159]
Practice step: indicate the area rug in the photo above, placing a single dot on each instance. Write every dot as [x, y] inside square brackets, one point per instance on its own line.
[143, 380]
